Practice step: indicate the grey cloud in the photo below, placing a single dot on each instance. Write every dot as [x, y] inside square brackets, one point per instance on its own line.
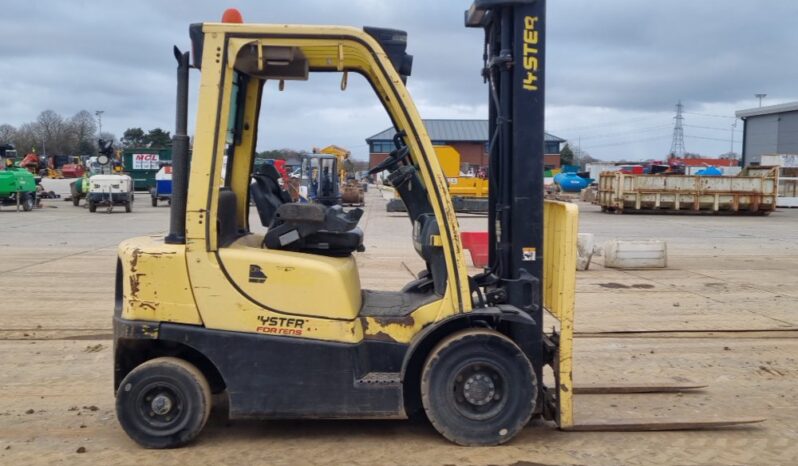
[630, 56]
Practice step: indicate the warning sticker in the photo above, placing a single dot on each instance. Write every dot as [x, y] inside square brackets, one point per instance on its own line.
[529, 254]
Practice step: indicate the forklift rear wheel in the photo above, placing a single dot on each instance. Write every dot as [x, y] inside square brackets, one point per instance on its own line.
[154, 201]
[478, 388]
[28, 202]
[92, 206]
[163, 403]
[128, 207]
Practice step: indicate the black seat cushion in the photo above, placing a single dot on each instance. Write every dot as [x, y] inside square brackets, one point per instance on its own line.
[316, 229]
[267, 193]
[327, 243]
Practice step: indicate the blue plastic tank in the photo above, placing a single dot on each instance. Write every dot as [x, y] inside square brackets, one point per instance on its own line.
[571, 182]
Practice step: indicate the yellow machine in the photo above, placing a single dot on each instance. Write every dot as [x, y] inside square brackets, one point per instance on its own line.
[352, 192]
[469, 193]
[280, 321]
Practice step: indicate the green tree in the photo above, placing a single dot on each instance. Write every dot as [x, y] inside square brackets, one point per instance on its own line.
[158, 138]
[566, 155]
[133, 137]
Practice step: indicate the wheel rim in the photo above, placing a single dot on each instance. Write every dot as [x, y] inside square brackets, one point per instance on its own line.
[161, 409]
[478, 390]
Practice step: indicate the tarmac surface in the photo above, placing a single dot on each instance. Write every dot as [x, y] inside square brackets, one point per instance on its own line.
[724, 313]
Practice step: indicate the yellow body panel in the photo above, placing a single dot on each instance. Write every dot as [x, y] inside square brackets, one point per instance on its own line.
[561, 226]
[157, 286]
[296, 283]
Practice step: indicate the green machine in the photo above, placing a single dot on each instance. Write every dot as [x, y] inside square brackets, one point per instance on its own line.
[17, 187]
[143, 163]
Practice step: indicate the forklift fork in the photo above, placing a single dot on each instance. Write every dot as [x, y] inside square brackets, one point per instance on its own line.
[559, 285]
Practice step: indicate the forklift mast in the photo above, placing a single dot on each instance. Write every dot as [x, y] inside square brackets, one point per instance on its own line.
[514, 54]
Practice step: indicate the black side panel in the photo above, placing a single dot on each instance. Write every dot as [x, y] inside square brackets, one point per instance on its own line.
[281, 377]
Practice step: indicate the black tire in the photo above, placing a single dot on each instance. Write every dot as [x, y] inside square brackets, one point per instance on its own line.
[502, 392]
[154, 201]
[28, 202]
[92, 206]
[75, 200]
[185, 398]
[129, 207]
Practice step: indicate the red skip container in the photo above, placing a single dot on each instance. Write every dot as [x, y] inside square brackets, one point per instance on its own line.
[477, 244]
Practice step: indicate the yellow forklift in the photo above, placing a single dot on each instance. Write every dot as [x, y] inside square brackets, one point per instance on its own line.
[214, 308]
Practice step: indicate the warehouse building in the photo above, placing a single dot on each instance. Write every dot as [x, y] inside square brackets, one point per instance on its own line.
[468, 137]
[769, 130]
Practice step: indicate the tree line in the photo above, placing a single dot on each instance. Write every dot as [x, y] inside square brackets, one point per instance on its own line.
[54, 134]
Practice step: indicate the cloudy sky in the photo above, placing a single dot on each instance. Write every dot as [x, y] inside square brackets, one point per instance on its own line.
[616, 68]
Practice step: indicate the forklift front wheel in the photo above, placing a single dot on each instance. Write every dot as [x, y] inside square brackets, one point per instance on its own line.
[478, 388]
[92, 206]
[163, 403]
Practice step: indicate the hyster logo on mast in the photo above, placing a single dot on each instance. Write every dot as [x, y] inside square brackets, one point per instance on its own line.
[531, 62]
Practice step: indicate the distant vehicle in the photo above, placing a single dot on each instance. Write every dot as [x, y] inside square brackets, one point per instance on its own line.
[162, 191]
[109, 190]
[17, 187]
[7, 151]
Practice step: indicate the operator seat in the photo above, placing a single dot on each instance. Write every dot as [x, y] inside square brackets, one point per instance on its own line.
[309, 228]
[266, 192]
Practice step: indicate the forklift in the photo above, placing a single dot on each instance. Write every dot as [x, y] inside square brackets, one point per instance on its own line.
[214, 308]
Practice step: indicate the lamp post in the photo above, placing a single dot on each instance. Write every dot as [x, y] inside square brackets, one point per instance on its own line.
[760, 97]
[99, 114]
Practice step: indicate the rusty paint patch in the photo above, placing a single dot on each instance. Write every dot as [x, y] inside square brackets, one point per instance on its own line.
[147, 305]
[406, 321]
[134, 284]
[134, 259]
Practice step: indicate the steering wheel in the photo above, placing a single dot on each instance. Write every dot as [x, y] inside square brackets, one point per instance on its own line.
[397, 155]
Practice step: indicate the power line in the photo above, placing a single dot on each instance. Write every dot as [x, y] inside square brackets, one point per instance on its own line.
[710, 115]
[624, 133]
[604, 125]
[715, 128]
[632, 141]
[704, 137]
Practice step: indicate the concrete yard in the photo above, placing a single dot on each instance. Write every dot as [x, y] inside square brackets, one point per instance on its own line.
[724, 313]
